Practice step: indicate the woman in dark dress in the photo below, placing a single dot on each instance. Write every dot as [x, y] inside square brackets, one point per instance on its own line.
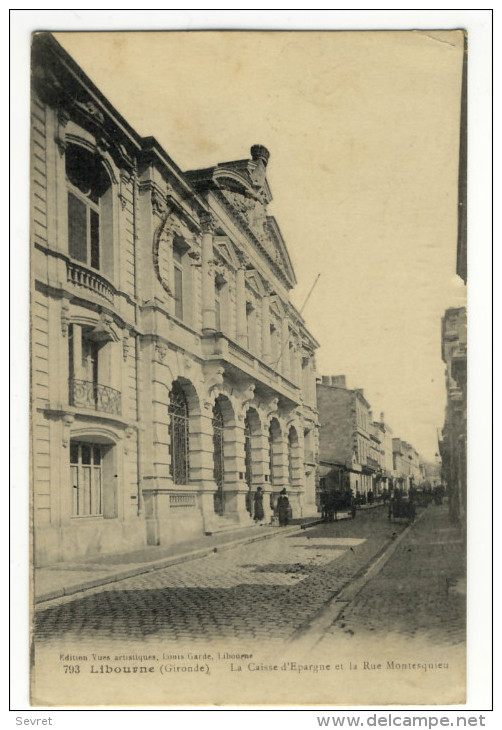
[283, 509]
[259, 514]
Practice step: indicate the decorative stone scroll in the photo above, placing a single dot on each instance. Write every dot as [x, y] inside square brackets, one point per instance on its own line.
[163, 236]
[161, 352]
[90, 109]
[125, 177]
[208, 222]
[159, 204]
[68, 419]
[65, 317]
[247, 395]
[63, 117]
[214, 378]
[273, 408]
[125, 345]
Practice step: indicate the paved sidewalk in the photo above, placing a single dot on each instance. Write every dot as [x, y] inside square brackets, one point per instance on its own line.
[419, 592]
[63, 579]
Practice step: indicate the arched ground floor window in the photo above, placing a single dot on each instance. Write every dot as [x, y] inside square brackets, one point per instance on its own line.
[251, 430]
[274, 456]
[218, 458]
[179, 438]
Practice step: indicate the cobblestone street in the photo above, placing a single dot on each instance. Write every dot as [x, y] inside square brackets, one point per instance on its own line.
[264, 591]
[418, 594]
[299, 602]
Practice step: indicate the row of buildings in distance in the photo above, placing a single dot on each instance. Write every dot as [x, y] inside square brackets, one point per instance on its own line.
[171, 375]
[360, 454]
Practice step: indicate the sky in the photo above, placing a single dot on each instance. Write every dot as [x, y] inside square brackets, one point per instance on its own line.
[363, 133]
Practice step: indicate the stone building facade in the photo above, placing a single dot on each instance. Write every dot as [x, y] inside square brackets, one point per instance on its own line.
[388, 474]
[170, 374]
[453, 442]
[406, 465]
[346, 446]
[357, 452]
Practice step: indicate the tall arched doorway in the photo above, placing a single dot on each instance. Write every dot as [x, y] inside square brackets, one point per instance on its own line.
[248, 460]
[293, 457]
[274, 457]
[218, 457]
[251, 430]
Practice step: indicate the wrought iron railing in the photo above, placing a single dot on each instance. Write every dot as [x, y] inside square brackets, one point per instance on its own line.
[86, 394]
[225, 347]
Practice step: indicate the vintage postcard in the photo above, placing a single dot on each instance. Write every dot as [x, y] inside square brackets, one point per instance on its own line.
[248, 368]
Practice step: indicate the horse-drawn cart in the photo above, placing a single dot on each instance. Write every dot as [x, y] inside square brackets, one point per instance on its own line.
[402, 509]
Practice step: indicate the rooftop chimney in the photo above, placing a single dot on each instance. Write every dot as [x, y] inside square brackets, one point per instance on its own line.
[259, 152]
[338, 380]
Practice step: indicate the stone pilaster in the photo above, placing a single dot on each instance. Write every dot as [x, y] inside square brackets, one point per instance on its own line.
[240, 302]
[77, 351]
[235, 489]
[265, 329]
[261, 469]
[208, 297]
[285, 364]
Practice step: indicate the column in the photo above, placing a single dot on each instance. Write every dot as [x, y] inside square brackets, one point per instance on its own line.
[261, 475]
[265, 329]
[294, 362]
[240, 301]
[201, 465]
[208, 302]
[285, 364]
[235, 488]
[77, 352]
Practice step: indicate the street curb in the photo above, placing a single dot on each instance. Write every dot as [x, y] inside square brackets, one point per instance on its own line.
[166, 563]
[331, 612]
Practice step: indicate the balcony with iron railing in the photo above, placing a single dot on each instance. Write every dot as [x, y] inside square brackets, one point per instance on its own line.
[219, 346]
[93, 396]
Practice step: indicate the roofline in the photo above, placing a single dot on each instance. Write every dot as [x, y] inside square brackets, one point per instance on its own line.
[143, 144]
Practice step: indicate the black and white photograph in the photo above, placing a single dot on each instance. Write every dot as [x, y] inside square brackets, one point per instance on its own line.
[248, 367]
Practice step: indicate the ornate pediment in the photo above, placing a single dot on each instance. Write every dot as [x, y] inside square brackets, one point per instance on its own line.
[224, 247]
[242, 188]
[252, 212]
[256, 282]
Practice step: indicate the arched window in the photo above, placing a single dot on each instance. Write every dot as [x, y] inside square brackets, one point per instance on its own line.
[274, 450]
[178, 410]
[291, 443]
[218, 457]
[271, 454]
[247, 451]
[88, 185]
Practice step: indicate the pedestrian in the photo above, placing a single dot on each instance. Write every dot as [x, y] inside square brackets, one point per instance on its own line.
[283, 508]
[259, 514]
[324, 505]
[330, 507]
